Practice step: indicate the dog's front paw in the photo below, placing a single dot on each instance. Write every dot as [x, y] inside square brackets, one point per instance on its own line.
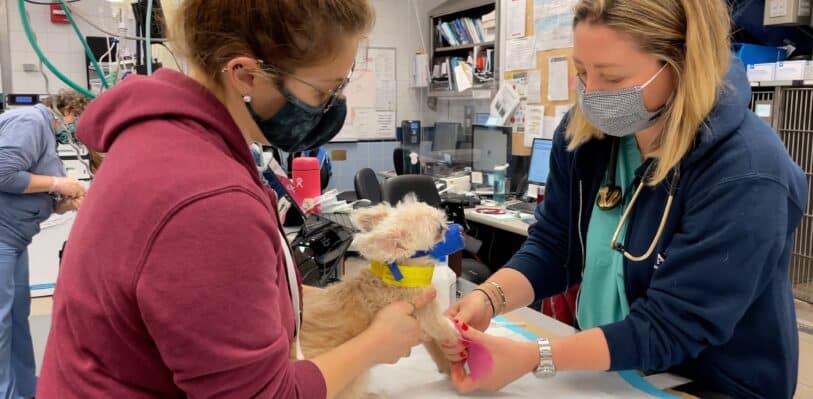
[444, 365]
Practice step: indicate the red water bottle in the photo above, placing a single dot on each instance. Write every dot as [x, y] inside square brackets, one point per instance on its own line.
[307, 177]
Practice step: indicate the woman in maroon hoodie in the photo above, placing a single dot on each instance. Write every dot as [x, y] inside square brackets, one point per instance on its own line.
[174, 282]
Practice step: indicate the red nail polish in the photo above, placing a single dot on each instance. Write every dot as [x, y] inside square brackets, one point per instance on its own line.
[462, 354]
[456, 321]
[465, 327]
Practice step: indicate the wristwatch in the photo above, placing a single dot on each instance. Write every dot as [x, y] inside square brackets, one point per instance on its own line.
[545, 369]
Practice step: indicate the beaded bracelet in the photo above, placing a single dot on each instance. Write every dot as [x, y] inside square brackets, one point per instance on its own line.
[502, 296]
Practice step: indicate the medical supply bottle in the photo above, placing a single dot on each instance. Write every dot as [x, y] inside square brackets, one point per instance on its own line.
[444, 280]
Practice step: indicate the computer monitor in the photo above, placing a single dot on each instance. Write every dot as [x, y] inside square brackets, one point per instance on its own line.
[540, 161]
[446, 136]
[492, 147]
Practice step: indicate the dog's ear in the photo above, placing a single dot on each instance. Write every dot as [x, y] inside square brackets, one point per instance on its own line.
[385, 244]
[366, 219]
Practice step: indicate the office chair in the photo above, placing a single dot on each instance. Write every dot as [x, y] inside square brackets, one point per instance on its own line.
[424, 188]
[472, 268]
[367, 186]
[398, 160]
[395, 189]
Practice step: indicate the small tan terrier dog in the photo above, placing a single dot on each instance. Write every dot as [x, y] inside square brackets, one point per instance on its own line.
[342, 311]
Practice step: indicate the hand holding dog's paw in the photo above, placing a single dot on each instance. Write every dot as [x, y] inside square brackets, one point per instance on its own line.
[395, 330]
[473, 310]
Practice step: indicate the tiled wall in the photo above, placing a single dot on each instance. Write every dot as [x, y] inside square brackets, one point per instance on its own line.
[58, 41]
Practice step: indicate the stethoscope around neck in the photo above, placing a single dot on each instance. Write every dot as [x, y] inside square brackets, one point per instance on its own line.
[610, 196]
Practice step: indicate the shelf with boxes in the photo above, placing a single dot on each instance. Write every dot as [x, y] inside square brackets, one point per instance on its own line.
[464, 54]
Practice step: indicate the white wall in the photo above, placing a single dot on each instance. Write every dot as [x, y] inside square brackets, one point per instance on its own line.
[397, 26]
[58, 41]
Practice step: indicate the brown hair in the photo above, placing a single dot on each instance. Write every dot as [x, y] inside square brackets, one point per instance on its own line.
[692, 37]
[284, 33]
[66, 102]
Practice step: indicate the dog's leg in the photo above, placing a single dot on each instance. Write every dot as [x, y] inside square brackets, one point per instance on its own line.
[440, 329]
[444, 365]
[435, 324]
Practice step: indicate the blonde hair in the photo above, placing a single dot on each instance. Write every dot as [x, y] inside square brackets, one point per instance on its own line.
[692, 37]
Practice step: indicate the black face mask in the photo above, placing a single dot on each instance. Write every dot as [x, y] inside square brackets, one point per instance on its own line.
[299, 126]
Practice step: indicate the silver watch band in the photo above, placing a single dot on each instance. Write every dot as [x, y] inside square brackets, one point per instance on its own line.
[546, 368]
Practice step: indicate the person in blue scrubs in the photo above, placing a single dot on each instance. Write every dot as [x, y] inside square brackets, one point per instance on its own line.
[670, 202]
[32, 187]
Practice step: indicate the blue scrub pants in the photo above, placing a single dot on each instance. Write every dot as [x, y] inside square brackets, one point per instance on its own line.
[17, 368]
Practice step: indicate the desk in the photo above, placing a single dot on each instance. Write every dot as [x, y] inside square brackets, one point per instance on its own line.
[417, 377]
[514, 225]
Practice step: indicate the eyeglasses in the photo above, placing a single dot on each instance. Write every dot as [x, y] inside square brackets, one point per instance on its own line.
[331, 95]
[672, 190]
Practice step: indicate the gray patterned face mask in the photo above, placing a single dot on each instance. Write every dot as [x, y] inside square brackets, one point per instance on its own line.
[618, 113]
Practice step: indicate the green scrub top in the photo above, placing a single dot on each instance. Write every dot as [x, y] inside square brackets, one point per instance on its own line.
[603, 298]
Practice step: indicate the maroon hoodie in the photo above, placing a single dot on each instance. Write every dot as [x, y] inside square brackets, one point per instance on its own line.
[173, 282]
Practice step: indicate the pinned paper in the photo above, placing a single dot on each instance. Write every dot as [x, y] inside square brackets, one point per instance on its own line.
[534, 123]
[558, 79]
[516, 18]
[553, 24]
[520, 54]
[504, 104]
[549, 127]
[561, 112]
[534, 87]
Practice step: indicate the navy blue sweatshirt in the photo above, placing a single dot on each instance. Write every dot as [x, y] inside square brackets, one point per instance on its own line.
[714, 301]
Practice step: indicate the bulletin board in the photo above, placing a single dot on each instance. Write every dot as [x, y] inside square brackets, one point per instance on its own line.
[530, 120]
[372, 97]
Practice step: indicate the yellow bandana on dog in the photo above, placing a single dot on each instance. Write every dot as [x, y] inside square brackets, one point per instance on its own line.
[411, 276]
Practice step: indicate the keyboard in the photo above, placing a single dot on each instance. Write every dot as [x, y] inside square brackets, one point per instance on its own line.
[524, 207]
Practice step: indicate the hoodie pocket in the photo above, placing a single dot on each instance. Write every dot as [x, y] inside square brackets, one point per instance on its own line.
[34, 209]
[29, 211]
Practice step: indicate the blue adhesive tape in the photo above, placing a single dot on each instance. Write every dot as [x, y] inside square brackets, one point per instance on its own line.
[630, 376]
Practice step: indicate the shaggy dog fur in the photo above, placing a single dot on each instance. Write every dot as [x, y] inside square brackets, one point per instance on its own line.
[342, 311]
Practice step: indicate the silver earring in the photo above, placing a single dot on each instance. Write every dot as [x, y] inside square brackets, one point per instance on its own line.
[246, 99]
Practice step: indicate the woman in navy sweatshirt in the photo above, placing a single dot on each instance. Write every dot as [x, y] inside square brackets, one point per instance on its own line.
[670, 203]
